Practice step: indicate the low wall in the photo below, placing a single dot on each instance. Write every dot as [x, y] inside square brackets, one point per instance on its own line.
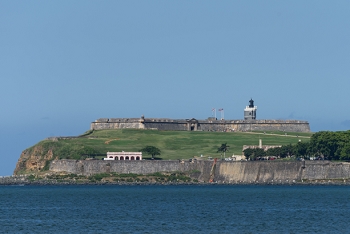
[262, 171]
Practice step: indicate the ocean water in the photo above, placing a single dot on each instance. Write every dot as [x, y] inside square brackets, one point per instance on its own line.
[174, 209]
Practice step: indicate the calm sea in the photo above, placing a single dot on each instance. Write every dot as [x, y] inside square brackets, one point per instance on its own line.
[174, 209]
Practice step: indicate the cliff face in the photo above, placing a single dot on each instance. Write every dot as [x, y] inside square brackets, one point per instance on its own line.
[33, 159]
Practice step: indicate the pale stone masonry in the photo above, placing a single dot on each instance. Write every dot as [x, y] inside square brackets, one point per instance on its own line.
[211, 124]
[201, 125]
[228, 171]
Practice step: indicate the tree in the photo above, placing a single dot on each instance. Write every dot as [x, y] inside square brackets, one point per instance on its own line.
[345, 152]
[253, 154]
[329, 145]
[151, 150]
[248, 153]
[301, 149]
[274, 152]
[223, 148]
[258, 153]
[287, 151]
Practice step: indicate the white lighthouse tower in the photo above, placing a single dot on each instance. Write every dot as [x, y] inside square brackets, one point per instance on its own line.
[250, 111]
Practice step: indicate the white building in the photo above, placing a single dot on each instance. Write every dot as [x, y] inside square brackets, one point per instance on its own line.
[123, 156]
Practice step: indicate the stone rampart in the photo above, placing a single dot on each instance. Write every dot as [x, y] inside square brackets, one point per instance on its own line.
[202, 125]
[241, 171]
[326, 170]
[90, 167]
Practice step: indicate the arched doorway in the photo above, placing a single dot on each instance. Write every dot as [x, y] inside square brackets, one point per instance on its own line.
[192, 127]
[192, 124]
[132, 158]
[121, 158]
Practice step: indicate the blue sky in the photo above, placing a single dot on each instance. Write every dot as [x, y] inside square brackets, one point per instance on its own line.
[66, 63]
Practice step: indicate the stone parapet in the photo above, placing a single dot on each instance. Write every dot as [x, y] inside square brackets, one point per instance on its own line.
[201, 125]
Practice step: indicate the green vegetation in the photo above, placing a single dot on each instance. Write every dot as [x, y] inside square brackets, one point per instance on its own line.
[47, 165]
[330, 145]
[322, 145]
[291, 134]
[173, 144]
[281, 152]
[223, 149]
[173, 177]
[64, 177]
[158, 177]
[150, 150]
[65, 149]
[31, 177]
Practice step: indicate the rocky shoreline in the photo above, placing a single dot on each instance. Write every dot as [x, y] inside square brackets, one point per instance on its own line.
[25, 180]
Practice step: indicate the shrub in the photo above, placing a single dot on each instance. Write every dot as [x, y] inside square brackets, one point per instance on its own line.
[47, 165]
[98, 177]
[31, 177]
[158, 174]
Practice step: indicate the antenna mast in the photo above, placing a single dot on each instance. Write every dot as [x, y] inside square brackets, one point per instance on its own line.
[213, 112]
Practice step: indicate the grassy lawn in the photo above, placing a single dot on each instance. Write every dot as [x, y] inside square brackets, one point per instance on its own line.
[299, 134]
[177, 144]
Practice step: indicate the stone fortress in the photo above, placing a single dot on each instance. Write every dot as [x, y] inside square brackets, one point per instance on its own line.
[249, 123]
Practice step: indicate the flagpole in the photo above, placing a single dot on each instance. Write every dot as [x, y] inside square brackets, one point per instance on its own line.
[221, 110]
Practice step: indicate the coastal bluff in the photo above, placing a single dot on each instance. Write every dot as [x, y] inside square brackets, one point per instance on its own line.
[224, 171]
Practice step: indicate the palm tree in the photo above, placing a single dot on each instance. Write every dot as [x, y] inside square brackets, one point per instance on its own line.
[223, 148]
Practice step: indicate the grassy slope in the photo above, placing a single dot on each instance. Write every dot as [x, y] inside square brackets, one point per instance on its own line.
[180, 144]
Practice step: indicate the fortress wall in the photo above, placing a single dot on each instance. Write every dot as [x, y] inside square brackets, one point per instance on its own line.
[65, 165]
[262, 171]
[116, 123]
[99, 126]
[288, 127]
[326, 170]
[89, 167]
[218, 126]
[259, 171]
[203, 125]
[246, 126]
[166, 126]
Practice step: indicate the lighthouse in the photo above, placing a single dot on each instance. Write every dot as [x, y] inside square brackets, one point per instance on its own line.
[250, 111]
